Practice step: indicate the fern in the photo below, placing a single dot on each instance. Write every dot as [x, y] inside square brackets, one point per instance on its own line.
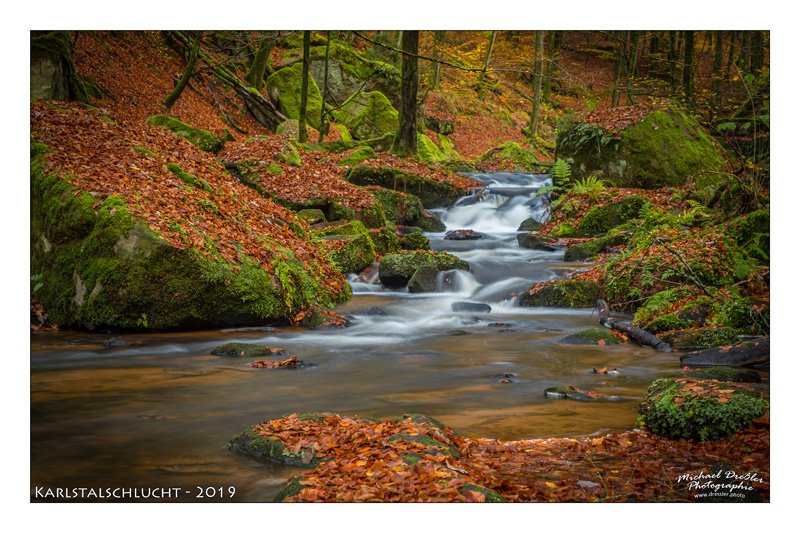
[561, 170]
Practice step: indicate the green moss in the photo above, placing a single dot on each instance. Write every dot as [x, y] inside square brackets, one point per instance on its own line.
[416, 240]
[600, 219]
[660, 303]
[584, 250]
[701, 339]
[143, 150]
[530, 224]
[284, 88]
[288, 155]
[203, 139]
[385, 240]
[432, 446]
[358, 155]
[428, 221]
[752, 234]
[566, 293]
[400, 208]
[189, 179]
[663, 149]
[368, 115]
[396, 269]
[510, 156]
[490, 495]
[292, 488]
[592, 336]
[354, 227]
[311, 216]
[353, 253]
[448, 148]
[699, 416]
[432, 193]
[427, 151]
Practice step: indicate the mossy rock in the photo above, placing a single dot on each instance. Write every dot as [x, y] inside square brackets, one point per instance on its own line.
[416, 240]
[189, 179]
[431, 222]
[284, 87]
[600, 219]
[400, 208]
[664, 149]
[241, 349]
[289, 155]
[396, 269]
[726, 373]
[203, 139]
[752, 234]
[566, 293]
[357, 156]
[353, 227]
[368, 115]
[250, 443]
[592, 336]
[490, 495]
[534, 241]
[427, 151]
[353, 253]
[586, 250]
[565, 392]
[511, 157]
[701, 339]
[52, 73]
[440, 126]
[311, 216]
[432, 193]
[529, 225]
[423, 280]
[385, 240]
[289, 127]
[102, 267]
[699, 409]
[422, 420]
[291, 488]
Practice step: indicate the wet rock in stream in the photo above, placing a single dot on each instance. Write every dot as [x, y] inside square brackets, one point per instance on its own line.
[471, 307]
[243, 349]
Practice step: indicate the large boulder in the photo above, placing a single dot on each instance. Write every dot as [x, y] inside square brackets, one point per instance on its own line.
[352, 249]
[431, 192]
[284, 88]
[368, 115]
[700, 409]
[562, 293]
[397, 269]
[665, 148]
[510, 157]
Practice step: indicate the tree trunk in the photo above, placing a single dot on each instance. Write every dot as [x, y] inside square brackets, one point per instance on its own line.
[538, 67]
[255, 76]
[486, 61]
[548, 71]
[618, 66]
[716, 83]
[633, 63]
[323, 123]
[187, 73]
[302, 134]
[438, 42]
[672, 57]
[405, 142]
[731, 50]
[757, 45]
[639, 335]
[688, 65]
[750, 353]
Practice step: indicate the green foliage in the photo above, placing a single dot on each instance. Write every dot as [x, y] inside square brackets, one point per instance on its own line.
[561, 171]
[189, 179]
[205, 140]
[416, 240]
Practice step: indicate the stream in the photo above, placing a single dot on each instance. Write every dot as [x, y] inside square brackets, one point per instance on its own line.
[158, 410]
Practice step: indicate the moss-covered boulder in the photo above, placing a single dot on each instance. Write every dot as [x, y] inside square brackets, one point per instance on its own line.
[203, 139]
[688, 408]
[665, 148]
[428, 221]
[726, 373]
[423, 280]
[368, 115]
[701, 338]
[432, 193]
[289, 127]
[586, 250]
[52, 74]
[350, 71]
[592, 336]
[396, 269]
[562, 293]
[311, 216]
[511, 157]
[534, 241]
[189, 179]
[352, 249]
[427, 150]
[529, 225]
[252, 444]
[416, 240]
[102, 267]
[284, 88]
[386, 240]
[599, 219]
[399, 207]
[357, 156]
[243, 349]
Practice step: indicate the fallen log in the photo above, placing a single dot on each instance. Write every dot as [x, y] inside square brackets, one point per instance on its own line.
[749, 353]
[639, 335]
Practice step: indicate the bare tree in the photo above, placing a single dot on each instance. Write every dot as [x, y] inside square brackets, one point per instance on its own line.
[302, 134]
[538, 67]
[187, 72]
[405, 143]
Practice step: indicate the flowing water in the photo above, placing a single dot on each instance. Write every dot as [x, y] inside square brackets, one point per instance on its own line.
[157, 411]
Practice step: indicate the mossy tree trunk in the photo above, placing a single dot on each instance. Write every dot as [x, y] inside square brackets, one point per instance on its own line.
[487, 58]
[538, 67]
[187, 73]
[553, 55]
[438, 43]
[716, 83]
[302, 134]
[323, 123]
[405, 142]
[260, 65]
[688, 65]
[619, 65]
[672, 58]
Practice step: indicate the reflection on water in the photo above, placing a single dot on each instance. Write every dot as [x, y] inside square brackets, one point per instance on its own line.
[157, 409]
